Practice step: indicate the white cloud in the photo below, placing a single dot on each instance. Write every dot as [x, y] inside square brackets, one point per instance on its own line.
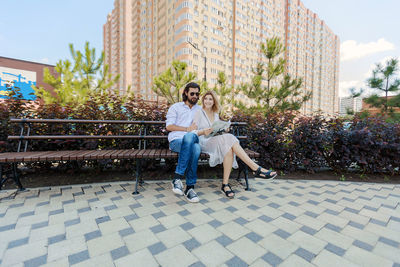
[344, 87]
[383, 61]
[44, 60]
[350, 49]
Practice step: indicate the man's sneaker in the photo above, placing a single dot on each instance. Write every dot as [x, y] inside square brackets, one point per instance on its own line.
[177, 187]
[191, 196]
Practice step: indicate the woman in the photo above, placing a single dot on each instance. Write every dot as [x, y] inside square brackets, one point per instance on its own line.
[222, 148]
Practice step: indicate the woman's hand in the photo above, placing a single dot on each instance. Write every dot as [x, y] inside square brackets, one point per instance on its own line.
[227, 130]
[191, 127]
[207, 131]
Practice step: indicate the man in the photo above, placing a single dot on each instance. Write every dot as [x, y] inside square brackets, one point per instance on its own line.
[183, 141]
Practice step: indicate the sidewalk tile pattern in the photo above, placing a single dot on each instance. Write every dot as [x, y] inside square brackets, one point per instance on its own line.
[278, 223]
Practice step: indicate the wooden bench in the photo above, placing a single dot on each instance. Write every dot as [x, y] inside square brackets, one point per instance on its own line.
[145, 135]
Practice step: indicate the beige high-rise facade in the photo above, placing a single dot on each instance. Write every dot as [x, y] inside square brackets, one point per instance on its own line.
[142, 38]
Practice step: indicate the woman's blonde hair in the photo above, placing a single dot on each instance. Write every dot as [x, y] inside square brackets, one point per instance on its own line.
[216, 107]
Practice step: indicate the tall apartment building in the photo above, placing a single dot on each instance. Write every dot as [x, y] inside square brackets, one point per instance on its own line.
[142, 38]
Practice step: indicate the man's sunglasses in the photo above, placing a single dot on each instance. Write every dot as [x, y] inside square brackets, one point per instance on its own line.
[192, 94]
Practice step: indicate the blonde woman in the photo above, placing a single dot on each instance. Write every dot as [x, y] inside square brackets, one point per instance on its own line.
[222, 148]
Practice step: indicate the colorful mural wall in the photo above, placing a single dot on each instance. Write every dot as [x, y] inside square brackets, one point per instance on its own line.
[23, 79]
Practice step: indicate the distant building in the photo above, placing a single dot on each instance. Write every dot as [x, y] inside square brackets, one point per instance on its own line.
[22, 74]
[353, 104]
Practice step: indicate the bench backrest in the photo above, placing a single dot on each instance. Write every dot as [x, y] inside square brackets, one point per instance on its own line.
[143, 131]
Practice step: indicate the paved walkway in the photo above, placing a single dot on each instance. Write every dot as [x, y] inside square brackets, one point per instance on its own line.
[285, 223]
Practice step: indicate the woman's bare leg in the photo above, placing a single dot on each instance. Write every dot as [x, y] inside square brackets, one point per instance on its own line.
[245, 158]
[228, 162]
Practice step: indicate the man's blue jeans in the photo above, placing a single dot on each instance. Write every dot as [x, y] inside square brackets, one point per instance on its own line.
[189, 152]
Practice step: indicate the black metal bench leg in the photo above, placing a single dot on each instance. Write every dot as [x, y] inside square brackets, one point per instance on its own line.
[2, 181]
[246, 177]
[16, 177]
[138, 163]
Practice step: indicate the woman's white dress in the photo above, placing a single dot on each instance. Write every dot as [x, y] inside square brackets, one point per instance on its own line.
[217, 146]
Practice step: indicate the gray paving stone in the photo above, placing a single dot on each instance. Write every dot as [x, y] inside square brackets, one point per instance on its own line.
[311, 214]
[93, 200]
[203, 200]
[191, 244]
[331, 201]
[288, 216]
[305, 254]
[388, 206]
[98, 193]
[158, 228]
[18, 242]
[67, 202]
[313, 202]
[187, 226]
[394, 218]
[308, 230]
[111, 207]
[184, 213]
[72, 222]
[215, 223]
[126, 232]
[54, 212]
[293, 203]
[241, 221]
[231, 209]
[119, 253]
[335, 249]
[254, 237]
[208, 211]
[55, 239]
[356, 225]
[116, 198]
[78, 257]
[396, 264]
[329, 211]
[272, 259]
[253, 207]
[157, 248]
[333, 227]
[92, 235]
[363, 245]
[351, 210]
[158, 215]
[262, 196]
[224, 199]
[26, 214]
[197, 264]
[18, 205]
[265, 218]
[224, 240]
[41, 204]
[159, 204]
[135, 206]
[102, 219]
[38, 261]
[274, 205]
[378, 222]
[39, 225]
[131, 217]
[236, 262]
[77, 194]
[243, 198]
[282, 233]
[389, 242]
[82, 210]
[370, 208]
[297, 194]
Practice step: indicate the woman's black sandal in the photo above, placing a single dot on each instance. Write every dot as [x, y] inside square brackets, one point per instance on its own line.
[264, 175]
[229, 192]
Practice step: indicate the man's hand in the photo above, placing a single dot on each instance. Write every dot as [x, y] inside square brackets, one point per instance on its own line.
[191, 127]
[207, 131]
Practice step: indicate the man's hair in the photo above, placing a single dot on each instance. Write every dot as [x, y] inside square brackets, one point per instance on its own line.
[189, 85]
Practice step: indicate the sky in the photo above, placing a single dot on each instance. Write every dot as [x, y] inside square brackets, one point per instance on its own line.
[41, 30]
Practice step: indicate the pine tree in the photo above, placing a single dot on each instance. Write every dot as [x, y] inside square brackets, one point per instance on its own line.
[271, 90]
[384, 80]
[171, 82]
[225, 93]
[76, 81]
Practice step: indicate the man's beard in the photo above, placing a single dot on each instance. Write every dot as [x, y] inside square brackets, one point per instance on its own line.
[193, 101]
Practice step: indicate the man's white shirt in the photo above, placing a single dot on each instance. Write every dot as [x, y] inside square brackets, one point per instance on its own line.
[180, 114]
